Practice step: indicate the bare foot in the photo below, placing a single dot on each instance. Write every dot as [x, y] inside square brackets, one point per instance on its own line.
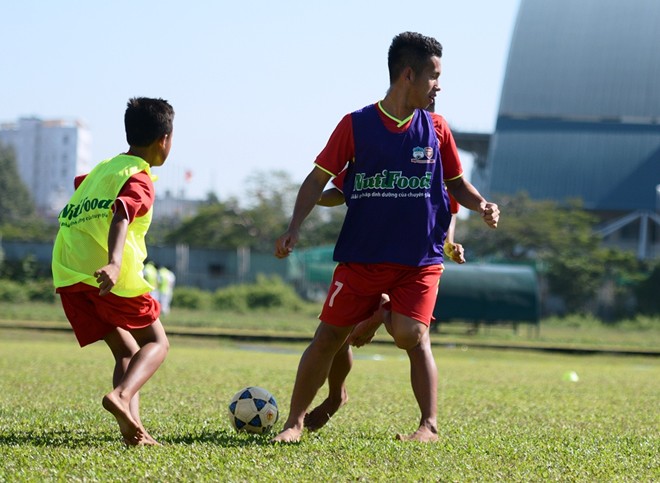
[290, 435]
[130, 430]
[364, 331]
[149, 440]
[321, 414]
[145, 441]
[422, 435]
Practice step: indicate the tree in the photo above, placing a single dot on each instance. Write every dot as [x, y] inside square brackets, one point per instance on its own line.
[15, 201]
[270, 200]
[559, 239]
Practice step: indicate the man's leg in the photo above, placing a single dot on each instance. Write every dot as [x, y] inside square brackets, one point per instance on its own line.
[337, 394]
[313, 370]
[412, 336]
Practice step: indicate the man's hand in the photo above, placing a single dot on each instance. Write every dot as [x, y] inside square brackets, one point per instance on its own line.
[285, 243]
[490, 214]
[107, 277]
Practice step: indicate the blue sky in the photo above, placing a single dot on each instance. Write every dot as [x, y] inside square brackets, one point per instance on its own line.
[256, 86]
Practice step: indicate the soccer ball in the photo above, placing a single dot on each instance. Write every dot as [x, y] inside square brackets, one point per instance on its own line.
[253, 409]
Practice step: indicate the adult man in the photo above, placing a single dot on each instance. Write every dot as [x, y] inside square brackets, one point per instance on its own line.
[392, 238]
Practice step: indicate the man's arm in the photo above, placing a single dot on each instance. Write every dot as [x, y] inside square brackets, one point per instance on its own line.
[308, 195]
[468, 196]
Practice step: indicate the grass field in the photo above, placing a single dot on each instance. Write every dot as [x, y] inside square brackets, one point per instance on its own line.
[504, 416]
[640, 334]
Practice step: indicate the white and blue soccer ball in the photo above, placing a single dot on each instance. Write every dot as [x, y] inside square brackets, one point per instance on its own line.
[253, 410]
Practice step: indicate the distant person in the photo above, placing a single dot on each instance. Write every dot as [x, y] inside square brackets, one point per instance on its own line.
[150, 273]
[166, 281]
[98, 261]
[391, 242]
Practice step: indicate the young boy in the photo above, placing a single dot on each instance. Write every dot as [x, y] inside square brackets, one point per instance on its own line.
[400, 158]
[98, 260]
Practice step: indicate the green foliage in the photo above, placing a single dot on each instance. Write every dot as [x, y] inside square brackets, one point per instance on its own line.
[265, 293]
[271, 196]
[13, 292]
[559, 240]
[21, 292]
[41, 290]
[15, 201]
[191, 298]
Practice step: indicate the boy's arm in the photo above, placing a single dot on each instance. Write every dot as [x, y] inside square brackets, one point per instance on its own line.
[453, 250]
[108, 275]
[331, 197]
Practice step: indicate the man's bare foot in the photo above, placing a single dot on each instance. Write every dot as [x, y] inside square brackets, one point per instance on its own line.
[422, 435]
[290, 435]
[130, 430]
[364, 331]
[321, 414]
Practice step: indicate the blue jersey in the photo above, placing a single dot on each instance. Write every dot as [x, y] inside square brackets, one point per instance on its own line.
[398, 208]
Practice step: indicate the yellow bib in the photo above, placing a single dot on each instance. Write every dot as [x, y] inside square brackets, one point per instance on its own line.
[81, 246]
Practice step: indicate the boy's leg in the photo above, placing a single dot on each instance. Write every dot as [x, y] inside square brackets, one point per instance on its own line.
[365, 330]
[124, 347]
[412, 336]
[153, 347]
[337, 394]
[312, 372]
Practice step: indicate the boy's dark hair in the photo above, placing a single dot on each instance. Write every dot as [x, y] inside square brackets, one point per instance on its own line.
[411, 49]
[147, 120]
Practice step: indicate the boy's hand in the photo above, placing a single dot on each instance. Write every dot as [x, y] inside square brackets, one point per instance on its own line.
[107, 278]
[455, 251]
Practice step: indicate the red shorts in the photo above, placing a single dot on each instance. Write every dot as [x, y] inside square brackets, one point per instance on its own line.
[92, 317]
[356, 288]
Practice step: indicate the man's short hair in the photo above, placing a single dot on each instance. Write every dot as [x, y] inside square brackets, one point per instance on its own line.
[411, 49]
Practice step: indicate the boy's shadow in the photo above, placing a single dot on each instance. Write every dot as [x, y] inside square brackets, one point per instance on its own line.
[68, 438]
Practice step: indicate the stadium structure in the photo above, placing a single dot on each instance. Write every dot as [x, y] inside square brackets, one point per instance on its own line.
[579, 115]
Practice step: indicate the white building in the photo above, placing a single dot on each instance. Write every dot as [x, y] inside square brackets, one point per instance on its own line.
[49, 154]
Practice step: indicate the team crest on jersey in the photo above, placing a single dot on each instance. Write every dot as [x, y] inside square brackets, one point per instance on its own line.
[422, 155]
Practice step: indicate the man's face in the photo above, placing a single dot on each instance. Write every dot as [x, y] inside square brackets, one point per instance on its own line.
[426, 85]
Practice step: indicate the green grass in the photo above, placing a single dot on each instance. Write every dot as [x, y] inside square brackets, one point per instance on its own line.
[504, 416]
[642, 333]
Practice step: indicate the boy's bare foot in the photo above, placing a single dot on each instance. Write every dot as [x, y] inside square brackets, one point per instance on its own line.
[149, 440]
[130, 430]
[363, 332]
[145, 441]
[290, 435]
[422, 435]
[321, 414]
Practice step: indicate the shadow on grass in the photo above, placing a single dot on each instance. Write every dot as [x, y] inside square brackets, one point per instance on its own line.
[60, 438]
[227, 439]
[66, 438]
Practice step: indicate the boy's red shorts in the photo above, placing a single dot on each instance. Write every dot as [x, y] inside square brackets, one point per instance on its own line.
[92, 316]
[356, 288]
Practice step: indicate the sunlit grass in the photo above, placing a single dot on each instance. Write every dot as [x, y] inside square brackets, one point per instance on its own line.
[504, 415]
